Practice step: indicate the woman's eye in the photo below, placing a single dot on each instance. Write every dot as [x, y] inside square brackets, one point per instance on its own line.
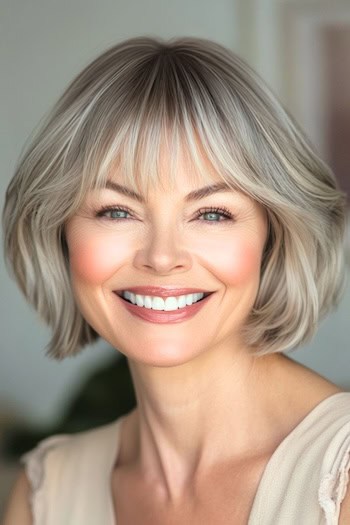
[113, 213]
[213, 213]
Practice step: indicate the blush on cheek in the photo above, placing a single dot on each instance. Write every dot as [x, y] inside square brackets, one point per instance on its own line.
[94, 261]
[239, 263]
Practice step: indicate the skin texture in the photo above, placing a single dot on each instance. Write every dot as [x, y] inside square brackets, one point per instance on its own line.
[196, 382]
[344, 517]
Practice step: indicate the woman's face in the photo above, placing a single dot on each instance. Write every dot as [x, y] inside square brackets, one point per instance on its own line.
[167, 240]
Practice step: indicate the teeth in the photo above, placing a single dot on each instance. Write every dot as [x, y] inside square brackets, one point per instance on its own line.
[158, 303]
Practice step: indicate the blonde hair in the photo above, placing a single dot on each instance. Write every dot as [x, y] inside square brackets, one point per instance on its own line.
[192, 93]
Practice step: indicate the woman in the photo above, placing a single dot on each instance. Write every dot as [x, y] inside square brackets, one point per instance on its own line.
[170, 205]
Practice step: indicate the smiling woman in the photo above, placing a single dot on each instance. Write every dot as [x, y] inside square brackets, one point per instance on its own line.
[170, 205]
[170, 234]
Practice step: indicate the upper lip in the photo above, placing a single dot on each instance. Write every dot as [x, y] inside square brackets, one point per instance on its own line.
[161, 291]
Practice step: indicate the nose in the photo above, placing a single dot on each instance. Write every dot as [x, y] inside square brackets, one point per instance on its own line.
[163, 252]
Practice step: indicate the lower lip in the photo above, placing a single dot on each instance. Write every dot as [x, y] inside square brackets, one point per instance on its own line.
[161, 316]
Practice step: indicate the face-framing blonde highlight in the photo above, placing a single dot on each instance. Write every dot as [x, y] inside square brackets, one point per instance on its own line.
[186, 95]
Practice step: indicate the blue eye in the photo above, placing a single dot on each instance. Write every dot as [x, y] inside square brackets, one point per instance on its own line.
[113, 212]
[116, 213]
[223, 212]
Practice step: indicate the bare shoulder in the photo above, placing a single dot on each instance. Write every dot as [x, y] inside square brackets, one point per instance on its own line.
[18, 507]
[309, 384]
[344, 517]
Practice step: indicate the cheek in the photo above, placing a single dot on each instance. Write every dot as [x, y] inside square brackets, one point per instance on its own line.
[95, 257]
[239, 262]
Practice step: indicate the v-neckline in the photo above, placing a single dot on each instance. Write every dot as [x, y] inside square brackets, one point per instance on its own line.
[264, 484]
[115, 445]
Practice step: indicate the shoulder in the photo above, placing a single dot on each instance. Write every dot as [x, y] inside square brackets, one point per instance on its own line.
[18, 507]
[64, 453]
[344, 518]
[52, 469]
[66, 447]
[23, 502]
[343, 472]
[334, 490]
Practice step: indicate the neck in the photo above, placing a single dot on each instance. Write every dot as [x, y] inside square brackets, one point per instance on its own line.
[191, 417]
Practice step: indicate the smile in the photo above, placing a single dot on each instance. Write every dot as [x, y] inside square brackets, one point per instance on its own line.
[158, 310]
[168, 304]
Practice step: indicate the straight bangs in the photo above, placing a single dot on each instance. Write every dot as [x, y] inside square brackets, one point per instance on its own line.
[176, 103]
[162, 120]
[172, 102]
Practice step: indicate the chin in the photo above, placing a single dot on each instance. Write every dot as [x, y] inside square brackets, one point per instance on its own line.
[161, 358]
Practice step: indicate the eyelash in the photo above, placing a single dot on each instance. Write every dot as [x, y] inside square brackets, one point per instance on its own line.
[101, 213]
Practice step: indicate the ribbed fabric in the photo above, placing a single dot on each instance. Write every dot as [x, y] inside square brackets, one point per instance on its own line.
[303, 483]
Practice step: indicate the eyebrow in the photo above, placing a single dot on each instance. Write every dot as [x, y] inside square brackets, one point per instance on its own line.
[192, 196]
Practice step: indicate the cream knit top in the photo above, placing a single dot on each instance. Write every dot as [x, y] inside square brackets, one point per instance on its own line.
[303, 483]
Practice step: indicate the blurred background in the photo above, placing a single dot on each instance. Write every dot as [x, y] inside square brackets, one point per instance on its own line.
[301, 48]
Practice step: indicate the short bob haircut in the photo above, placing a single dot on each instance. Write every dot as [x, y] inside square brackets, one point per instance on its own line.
[189, 93]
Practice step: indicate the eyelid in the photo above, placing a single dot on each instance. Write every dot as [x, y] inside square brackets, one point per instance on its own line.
[216, 209]
[103, 209]
[206, 209]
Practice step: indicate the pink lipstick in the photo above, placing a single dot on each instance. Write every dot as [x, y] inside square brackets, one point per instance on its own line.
[162, 316]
